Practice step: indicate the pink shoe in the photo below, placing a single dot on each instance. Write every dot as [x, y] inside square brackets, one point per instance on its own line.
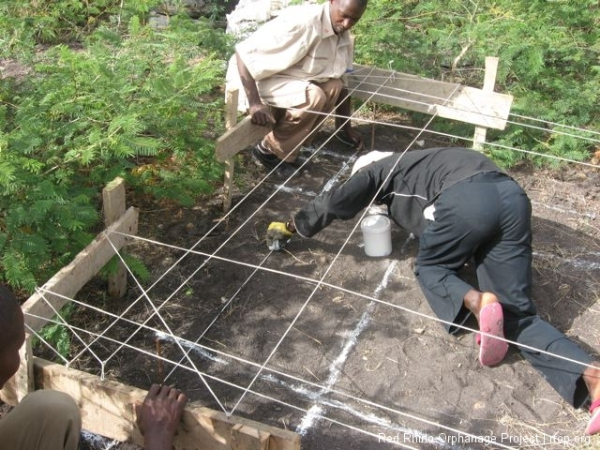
[491, 320]
[593, 425]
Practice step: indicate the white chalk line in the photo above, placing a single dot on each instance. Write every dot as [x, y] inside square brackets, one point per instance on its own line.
[576, 262]
[319, 396]
[383, 422]
[589, 215]
[335, 369]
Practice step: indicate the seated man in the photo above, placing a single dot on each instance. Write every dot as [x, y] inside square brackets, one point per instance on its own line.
[463, 206]
[295, 63]
[43, 419]
[50, 420]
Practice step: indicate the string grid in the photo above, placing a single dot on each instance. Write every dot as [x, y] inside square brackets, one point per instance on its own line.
[191, 355]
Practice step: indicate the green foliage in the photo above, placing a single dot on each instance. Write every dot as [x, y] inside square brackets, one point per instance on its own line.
[549, 57]
[57, 335]
[141, 106]
[25, 23]
[137, 267]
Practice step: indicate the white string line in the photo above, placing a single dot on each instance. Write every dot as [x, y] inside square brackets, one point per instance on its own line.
[47, 344]
[468, 139]
[251, 363]
[571, 127]
[64, 322]
[223, 309]
[156, 313]
[366, 297]
[484, 114]
[302, 308]
[530, 152]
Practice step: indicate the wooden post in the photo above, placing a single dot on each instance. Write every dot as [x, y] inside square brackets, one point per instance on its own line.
[67, 282]
[231, 103]
[113, 199]
[489, 81]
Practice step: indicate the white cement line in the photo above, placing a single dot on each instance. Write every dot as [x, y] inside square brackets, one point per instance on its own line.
[346, 166]
[590, 215]
[335, 369]
[575, 262]
[293, 190]
[385, 423]
[192, 348]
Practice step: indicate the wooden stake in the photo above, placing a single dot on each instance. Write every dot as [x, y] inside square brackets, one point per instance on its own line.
[230, 121]
[71, 278]
[489, 81]
[113, 199]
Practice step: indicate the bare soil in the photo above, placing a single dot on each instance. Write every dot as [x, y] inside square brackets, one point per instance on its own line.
[382, 366]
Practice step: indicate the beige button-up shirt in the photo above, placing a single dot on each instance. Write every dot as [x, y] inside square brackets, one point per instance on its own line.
[290, 51]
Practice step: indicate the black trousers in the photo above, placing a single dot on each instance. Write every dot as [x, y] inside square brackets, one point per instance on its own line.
[488, 217]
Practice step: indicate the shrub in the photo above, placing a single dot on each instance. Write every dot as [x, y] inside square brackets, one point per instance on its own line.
[142, 108]
[548, 58]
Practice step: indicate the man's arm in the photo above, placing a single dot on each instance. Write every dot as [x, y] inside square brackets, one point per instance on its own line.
[342, 119]
[260, 113]
[341, 203]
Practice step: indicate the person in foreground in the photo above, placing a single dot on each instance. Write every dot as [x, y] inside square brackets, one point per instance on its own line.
[462, 206]
[291, 71]
[50, 420]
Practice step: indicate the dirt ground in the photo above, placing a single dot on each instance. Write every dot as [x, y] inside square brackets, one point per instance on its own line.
[347, 372]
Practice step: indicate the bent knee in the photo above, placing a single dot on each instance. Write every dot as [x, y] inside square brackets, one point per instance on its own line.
[320, 95]
[53, 404]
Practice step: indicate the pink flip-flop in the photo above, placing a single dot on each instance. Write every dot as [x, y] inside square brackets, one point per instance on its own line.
[491, 320]
[593, 425]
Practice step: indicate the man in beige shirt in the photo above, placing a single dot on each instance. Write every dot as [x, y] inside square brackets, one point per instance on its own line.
[291, 70]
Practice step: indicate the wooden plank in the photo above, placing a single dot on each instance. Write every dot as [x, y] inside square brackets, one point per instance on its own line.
[489, 81]
[244, 437]
[71, 278]
[239, 137]
[107, 409]
[448, 100]
[113, 202]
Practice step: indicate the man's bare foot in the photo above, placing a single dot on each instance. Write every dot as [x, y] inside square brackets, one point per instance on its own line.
[475, 301]
[487, 309]
[591, 377]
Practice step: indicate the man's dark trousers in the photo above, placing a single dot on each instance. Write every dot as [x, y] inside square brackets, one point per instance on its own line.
[488, 217]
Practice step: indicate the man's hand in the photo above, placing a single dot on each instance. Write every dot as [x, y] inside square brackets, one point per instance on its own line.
[261, 114]
[278, 234]
[159, 415]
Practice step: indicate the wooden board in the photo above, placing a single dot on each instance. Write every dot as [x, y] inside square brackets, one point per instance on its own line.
[107, 409]
[71, 278]
[448, 100]
[239, 137]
